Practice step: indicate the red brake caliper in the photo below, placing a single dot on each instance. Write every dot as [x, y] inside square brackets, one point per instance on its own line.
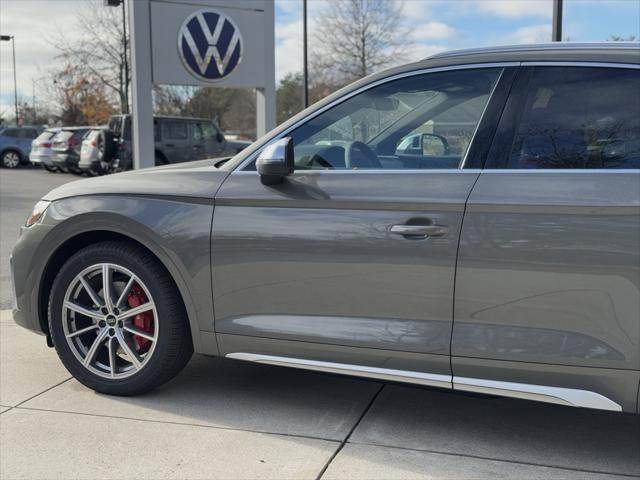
[144, 320]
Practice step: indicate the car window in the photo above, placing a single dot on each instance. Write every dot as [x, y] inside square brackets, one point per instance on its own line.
[579, 117]
[46, 135]
[416, 122]
[64, 135]
[10, 132]
[92, 134]
[174, 130]
[203, 131]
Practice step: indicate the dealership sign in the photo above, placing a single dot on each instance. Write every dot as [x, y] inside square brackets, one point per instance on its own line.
[210, 45]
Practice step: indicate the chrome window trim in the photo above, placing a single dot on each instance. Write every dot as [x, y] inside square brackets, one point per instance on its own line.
[542, 393]
[560, 170]
[372, 170]
[467, 66]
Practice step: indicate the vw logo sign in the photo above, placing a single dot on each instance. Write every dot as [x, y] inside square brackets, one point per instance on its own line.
[210, 45]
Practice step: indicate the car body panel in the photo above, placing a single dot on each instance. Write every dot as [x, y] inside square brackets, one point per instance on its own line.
[176, 227]
[20, 144]
[41, 154]
[198, 180]
[551, 274]
[313, 259]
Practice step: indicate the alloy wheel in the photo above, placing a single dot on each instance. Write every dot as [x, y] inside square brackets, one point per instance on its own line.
[110, 321]
[11, 159]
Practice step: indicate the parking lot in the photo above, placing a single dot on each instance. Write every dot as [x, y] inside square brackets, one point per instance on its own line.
[227, 419]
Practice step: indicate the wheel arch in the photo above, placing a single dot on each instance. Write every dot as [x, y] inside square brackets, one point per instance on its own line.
[83, 239]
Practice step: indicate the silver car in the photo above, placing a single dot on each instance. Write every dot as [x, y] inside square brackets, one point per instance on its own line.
[468, 222]
[41, 150]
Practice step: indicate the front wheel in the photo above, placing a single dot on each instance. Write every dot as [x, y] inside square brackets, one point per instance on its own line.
[117, 321]
[10, 159]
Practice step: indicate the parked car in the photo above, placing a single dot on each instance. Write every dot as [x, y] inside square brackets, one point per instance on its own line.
[66, 148]
[42, 151]
[504, 261]
[92, 151]
[177, 140]
[15, 145]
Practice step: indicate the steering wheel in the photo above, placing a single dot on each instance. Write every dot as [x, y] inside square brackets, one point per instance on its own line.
[359, 155]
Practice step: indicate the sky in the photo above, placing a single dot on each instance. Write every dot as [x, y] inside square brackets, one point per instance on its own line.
[435, 26]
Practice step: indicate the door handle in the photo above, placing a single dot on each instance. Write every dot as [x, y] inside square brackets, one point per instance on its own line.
[421, 231]
[170, 145]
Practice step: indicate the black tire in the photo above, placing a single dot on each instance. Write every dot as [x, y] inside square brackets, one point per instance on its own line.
[106, 146]
[173, 347]
[160, 160]
[51, 169]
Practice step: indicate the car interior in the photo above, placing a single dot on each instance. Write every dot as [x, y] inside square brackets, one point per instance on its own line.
[411, 123]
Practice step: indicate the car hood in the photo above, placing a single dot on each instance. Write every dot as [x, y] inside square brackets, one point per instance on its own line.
[194, 179]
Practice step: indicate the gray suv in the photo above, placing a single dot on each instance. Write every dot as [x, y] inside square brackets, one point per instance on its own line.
[468, 222]
[177, 140]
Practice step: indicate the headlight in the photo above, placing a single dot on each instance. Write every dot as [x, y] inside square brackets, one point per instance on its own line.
[37, 213]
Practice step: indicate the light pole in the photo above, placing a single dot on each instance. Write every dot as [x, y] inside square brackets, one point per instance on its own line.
[556, 30]
[6, 38]
[305, 67]
[125, 62]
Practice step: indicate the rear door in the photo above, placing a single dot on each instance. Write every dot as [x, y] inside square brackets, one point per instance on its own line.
[548, 279]
[352, 258]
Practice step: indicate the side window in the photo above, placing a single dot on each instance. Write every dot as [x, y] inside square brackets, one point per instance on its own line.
[579, 117]
[418, 122]
[197, 133]
[174, 130]
[208, 130]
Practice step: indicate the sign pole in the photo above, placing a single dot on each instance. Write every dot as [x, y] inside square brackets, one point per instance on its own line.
[141, 85]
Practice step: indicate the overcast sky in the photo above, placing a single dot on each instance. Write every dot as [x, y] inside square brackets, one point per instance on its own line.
[436, 25]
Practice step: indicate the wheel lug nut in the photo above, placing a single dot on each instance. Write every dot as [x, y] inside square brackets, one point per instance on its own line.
[104, 310]
[116, 311]
[120, 324]
[102, 323]
[112, 332]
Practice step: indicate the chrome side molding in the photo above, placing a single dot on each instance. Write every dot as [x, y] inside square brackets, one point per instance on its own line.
[542, 393]
[420, 378]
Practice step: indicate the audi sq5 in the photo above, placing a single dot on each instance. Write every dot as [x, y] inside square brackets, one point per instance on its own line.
[469, 222]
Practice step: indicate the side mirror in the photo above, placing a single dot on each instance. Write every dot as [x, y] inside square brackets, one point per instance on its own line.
[220, 137]
[434, 145]
[275, 161]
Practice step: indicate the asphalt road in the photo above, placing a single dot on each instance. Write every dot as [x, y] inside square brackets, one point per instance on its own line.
[20, 189]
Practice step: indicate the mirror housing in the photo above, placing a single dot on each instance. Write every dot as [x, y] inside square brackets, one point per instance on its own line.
[275, 161]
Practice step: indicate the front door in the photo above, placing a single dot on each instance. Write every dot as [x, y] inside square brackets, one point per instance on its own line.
[352, 258]
[548, 281]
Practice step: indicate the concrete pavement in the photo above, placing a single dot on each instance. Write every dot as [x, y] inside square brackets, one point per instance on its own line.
[226, 419]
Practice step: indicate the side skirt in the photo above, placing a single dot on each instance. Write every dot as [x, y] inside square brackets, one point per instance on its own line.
[542, 393]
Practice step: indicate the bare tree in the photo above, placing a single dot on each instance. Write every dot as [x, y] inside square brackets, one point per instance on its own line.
[100, 51]
[358, 37]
